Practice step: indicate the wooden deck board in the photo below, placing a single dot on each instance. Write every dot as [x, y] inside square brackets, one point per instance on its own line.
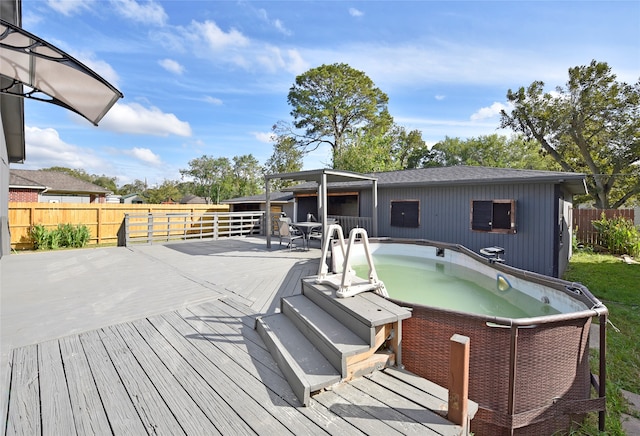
[57, 416]
[219, 411]
[190, 362]
[24, 403]
[121, 413]
[390, 416]
[161, 370]
[354, 414]
[156, 416]
[414, 410]
[263, 381]
[201, 353]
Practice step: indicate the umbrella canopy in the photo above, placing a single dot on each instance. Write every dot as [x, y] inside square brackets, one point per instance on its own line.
[38, 70]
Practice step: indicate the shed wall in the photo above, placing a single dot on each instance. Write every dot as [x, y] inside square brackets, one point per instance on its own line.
[445, 216]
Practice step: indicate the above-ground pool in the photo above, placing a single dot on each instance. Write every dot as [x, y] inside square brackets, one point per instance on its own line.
[529, 333]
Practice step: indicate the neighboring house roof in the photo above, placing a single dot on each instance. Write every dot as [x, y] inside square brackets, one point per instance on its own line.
[16, 181]
[276, 197]
[462, 175]
[52, 181]
[193, 199]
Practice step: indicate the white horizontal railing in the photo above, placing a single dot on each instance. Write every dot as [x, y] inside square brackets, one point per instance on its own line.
[149, 228]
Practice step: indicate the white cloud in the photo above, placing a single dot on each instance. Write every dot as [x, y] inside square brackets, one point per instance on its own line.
[491, 111]
[274, 60]
[69, 8]
[213, 100]
[266, 137]
[46, 149]
[137, 119]
[145, 155]
[440, 97]
[279, 25]
[214, 37]
[207, 40]
[296, 64]
[355, 12]
[148, 13]
[171, 66]
[436, 61]
[276, 23]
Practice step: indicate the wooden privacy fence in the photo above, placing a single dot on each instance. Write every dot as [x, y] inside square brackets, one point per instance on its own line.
[582, 219]
[156, 227]
[104, 221]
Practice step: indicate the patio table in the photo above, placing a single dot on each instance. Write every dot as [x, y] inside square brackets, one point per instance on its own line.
[306, 227]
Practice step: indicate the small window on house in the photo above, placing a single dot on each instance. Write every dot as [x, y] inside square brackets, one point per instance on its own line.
[405, 213]
[498, 216]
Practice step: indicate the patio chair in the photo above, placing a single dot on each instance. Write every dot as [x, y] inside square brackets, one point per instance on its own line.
[285, 232]
[317, 232]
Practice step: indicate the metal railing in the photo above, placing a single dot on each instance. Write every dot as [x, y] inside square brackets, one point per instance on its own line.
[350, 222]
[149, 228]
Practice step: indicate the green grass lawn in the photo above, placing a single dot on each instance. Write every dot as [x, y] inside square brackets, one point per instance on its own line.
[617, 285]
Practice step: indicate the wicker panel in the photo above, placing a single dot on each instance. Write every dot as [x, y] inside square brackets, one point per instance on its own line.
[552, 381]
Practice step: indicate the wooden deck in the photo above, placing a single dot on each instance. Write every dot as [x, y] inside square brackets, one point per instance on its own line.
[197, 369]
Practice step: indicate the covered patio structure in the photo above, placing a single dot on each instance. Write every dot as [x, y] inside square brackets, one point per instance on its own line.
[322, 177]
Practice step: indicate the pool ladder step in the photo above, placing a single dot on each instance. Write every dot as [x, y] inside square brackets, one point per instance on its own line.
[319, 340]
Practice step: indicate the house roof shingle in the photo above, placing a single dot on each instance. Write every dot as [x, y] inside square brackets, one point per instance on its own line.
[276, 197]
[53, 181]
[461, 175]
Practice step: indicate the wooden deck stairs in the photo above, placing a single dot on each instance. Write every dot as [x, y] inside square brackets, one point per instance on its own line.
[319, 340]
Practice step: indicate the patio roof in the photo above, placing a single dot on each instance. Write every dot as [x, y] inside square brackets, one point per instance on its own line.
[322, 177]
[33, 68]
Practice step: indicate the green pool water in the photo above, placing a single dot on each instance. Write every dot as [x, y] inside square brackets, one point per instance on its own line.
[448, 286]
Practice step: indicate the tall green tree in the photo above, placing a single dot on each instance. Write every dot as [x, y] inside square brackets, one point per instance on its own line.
[247, 176]
[407, 147]
[168, 190]
[331, 101]
[212, 178]
[286, 158]
[366, 154]
[590, 125]
[135, 187]
[490, 151]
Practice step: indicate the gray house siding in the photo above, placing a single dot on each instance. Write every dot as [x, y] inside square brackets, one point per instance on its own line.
[445, 215]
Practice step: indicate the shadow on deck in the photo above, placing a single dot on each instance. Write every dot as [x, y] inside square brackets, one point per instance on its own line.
[176, 351]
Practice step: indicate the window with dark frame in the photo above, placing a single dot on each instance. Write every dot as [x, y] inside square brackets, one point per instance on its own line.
[405, 213]
[497, 216]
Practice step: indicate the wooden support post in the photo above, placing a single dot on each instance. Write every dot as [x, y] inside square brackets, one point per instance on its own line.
[458, 380]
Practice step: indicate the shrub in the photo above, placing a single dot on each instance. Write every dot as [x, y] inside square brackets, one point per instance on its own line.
[619, 235]
[39, 236]
[66, 232]
[65, 235]
[81, 236]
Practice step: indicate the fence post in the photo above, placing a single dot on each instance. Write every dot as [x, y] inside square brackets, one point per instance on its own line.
[150, 228]
[215, 226]
[126, 230]
[99, 228]
[458, 380]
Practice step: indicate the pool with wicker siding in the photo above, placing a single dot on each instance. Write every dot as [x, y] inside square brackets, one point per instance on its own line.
[529, 360]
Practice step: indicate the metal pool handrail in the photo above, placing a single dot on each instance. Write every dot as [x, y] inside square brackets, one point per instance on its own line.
[344, 282]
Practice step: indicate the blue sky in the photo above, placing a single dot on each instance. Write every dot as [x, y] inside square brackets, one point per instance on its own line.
[212, 77]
